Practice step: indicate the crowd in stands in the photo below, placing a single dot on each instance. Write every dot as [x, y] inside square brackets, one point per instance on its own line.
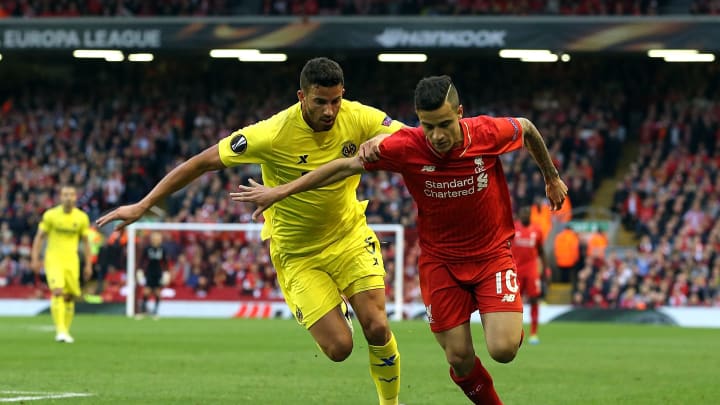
[711, 7]
[461, 7]
[116, 138]
[128, 8]
[670, 199]
[112, 8]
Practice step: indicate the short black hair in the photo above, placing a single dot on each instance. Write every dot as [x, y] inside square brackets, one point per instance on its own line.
[432, 92]
[524, 216]
[323, 72]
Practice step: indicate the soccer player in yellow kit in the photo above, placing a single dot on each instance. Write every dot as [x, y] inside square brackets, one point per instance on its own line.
[63, 226]
[320, 242]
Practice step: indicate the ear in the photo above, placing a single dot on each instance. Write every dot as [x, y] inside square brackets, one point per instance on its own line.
[343, 92]
[301, 95]
[460, 111]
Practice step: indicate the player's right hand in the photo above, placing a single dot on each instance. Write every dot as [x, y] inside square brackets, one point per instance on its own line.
[127, 213]
[556, 191]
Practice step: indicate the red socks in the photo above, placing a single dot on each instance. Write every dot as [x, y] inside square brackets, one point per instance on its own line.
[534, 312]
[478, 385]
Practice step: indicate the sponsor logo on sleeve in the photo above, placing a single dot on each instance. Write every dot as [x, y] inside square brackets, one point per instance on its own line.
[238, 144]
[387, 121]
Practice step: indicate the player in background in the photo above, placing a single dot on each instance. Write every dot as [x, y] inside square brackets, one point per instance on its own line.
[63, 227]
[452, 169]
[153, 266]
[320, 243]
[527, 250]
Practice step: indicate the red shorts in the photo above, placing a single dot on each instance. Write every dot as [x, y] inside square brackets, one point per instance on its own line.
[529, 281]
[453, 291]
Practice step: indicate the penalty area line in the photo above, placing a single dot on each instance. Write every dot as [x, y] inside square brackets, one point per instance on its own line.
[37, 396]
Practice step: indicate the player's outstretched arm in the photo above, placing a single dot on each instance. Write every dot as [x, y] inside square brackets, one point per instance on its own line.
[326, 174]
[555, 188]
[87, 272]
[179, 177]
[37, 244]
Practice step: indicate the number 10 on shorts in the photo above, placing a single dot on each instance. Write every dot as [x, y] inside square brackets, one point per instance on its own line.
[510, 282]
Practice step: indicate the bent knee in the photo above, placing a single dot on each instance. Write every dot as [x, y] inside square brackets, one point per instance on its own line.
[338, 351]
[377, 332]
[461, 360]
[504, 352]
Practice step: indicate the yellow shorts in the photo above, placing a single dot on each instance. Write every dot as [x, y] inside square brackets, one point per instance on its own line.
[311, 284]
[63, 275]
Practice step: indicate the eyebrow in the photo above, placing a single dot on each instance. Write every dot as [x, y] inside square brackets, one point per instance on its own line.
[323, 98]
[436, 124]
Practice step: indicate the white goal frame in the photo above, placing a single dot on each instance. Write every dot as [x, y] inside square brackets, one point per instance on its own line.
[132, 229]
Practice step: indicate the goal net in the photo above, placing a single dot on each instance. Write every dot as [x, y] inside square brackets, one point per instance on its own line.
[227, 251]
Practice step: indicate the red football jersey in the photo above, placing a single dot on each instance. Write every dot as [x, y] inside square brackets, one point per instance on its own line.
[464, 210]
[525, 247]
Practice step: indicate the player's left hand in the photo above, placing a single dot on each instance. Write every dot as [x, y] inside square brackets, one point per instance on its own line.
[127, 213]
[556, 191]
[370, 150]
[256, 193]
[547, 275]
[88, 271]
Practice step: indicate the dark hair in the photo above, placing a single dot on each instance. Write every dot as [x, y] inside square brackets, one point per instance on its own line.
[432, 92]
[524, 216]
[321, 72]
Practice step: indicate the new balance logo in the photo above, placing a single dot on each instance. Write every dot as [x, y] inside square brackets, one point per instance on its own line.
[428, 169]
[475, 390]
[387, 361]
[508, 298]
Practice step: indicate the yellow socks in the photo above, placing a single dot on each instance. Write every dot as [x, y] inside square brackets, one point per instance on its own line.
[69, 313]
[58, 311]
[385, 371]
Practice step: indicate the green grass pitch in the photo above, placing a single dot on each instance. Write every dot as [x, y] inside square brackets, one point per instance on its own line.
[232, 361]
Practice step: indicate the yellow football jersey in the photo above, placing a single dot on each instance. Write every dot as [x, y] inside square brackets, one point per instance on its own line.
[286, 148]
[64, 231]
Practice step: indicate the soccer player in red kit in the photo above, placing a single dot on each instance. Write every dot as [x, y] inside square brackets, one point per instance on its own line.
[451, 166]
[527, 250]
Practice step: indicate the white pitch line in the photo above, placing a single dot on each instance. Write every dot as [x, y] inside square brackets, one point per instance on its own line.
[36, 396]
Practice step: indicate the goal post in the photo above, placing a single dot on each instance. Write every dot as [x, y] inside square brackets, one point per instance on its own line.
[131, 263]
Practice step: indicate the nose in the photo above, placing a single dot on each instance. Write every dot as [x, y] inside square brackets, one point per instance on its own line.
[328, 111]
[436, 135]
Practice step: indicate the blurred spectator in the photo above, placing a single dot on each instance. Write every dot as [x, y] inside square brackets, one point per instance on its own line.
[597, 242]
[567, 255]
[541, 216]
